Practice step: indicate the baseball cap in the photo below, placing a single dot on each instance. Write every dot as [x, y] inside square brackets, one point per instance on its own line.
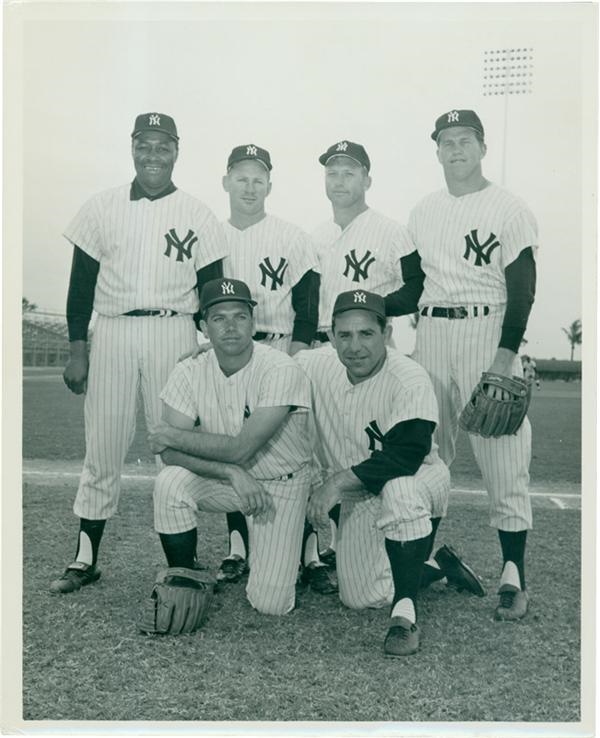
[454, 118]
[347, 148]
[250, 151]
[155, 122]
[359, 300]
[224, 290]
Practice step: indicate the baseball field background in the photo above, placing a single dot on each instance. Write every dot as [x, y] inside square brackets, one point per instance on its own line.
[84, 659]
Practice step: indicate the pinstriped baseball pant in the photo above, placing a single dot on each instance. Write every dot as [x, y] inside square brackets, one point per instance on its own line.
[455, 353]
[179, 495]
[127, 353]
[402, 512]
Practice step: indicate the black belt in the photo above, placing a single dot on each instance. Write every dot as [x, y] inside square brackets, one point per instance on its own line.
[455, 312]
[283, 477]
[260, 336]
[163, 313]
[323, 337]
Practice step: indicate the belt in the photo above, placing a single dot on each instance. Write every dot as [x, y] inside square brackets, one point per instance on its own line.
[162, 313]
[456, 312]
[282, 478]
[322, 337]
[261, 336]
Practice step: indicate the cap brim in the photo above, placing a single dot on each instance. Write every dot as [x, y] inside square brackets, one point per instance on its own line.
[229, 298]
[436, 134]
[145, 130]
[358, 307]
[324, 159]
[249, 158]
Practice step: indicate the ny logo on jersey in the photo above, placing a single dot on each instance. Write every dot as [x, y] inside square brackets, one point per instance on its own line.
[482, 251]
[251, 151]
[360, 297]
[375, 436]
[453, 117]
[275, 274]
[342, 146]
[361, 267]
[227, 288]
[184, 248]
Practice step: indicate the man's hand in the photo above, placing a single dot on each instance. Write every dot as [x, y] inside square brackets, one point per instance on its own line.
[194, 353]
[76, 372]
[160, 437]
[254, 499]
[503, 365]
[321, 501]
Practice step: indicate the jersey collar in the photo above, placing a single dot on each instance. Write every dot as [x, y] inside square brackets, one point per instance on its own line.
[137, 192]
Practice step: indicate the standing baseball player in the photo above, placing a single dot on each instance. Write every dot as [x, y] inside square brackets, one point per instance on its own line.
[278, 263]
[141, 252]
[477, 244]
[375, 413]
[530, 370]
[251, 451]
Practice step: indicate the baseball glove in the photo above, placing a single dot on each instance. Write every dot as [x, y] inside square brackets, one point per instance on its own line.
[179, 601]
[490, 417]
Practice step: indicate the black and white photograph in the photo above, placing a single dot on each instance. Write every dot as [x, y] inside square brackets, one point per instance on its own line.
[298, 437]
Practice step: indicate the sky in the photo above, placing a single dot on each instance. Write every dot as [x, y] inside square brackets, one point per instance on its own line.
[294, 79]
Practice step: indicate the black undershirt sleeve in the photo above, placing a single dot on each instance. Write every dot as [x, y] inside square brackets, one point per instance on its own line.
[214, 270]
[80, 297]
[520, 293]
[305, 301]
[406, 300]
[403, 449]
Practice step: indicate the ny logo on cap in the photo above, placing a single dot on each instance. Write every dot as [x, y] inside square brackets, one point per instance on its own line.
[342, 146]
[453, 117]
[360, 297]
[154, 120]
[227, 288]
[251, 151]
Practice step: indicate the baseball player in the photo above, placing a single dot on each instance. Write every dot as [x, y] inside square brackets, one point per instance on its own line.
[375, 412]
[477, 245]
[530, 370]
[141, 252]
[251, 451]
[278, 263]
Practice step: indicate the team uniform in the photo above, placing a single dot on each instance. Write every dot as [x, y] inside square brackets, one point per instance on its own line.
[149, 252]
[465, 244]
[351, 420]
[198, 388]
[530, 370]
[366, 255]
[271, 257]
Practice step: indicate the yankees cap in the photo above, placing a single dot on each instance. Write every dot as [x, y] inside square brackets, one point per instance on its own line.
[225, 290]
[454, 118]
[155, 122]
[350, 149]
[249, 151]
[359, 300]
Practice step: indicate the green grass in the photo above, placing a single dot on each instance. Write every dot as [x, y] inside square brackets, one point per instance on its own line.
[85, 660]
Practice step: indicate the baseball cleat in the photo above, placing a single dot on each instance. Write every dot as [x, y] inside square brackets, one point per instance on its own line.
[317, 577]
[513, 603]
[457, 573]
[402, 639]
[430, 575]
[76, 576]
[232, 569]
[328, 557]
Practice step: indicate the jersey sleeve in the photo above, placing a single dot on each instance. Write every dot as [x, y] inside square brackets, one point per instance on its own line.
[416, 401]
[303, 256]
[520, 232]
[284, 384]
[177, 392]
[402, 245]
[85, 230]
[213, 245]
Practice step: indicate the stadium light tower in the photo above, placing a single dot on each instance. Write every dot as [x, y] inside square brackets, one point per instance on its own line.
[507, 72]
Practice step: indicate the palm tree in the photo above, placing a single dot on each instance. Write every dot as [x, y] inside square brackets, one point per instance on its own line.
[27, 307]
[573, 333]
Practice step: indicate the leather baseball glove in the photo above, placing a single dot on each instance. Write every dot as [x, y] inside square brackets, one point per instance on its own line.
[179, 601]
[491, 417]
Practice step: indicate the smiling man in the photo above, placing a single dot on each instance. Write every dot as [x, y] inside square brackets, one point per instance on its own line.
[375, 413]
[141, 253]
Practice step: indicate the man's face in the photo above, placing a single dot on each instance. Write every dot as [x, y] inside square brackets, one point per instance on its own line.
[248, 184]
[154, 156]
[460, 152]
[360, 343]
[229, 326]
[346, 181]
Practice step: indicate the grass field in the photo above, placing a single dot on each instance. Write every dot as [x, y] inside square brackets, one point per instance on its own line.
[85, 660]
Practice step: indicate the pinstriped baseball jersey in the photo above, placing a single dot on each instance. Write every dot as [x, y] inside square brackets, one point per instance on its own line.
[198, 388]
[365, 254]
[270, 256]
[149, 251]
[466, 242]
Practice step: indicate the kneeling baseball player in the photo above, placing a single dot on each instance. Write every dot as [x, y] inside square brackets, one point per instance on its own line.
[375, 412]
[234, 437]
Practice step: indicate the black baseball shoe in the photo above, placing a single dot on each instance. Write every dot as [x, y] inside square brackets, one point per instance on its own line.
[513, 603]
[319, 580]
[429, 575]
[328, 557]
[232, 569]
[402, 639]
[457, 573]
[76, 576]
